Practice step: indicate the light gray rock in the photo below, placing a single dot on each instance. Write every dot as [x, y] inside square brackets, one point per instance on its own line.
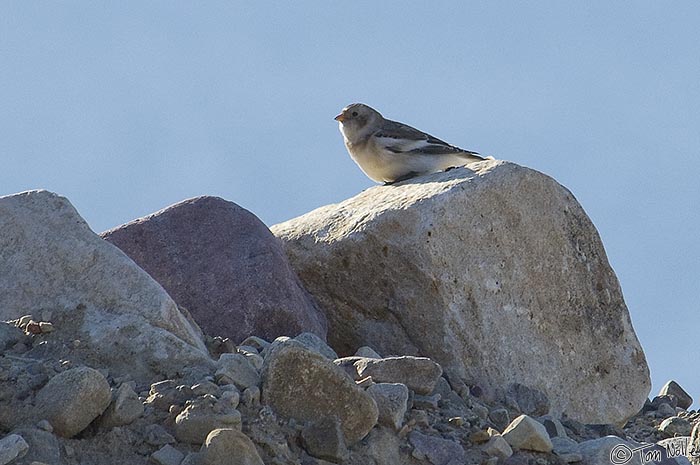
[72, 399]
[437, 451]
[229, 447]
[528, 434]
[11, 447]
[237, 370]
[324, 439]
[676, 426]
[392, 400]
[672, 388]
[124, 408]
[304, 385]
[167, 455]
[498, 447]
[419, 374]
[493, 272]
[314, 342]
[123, 319]
[201, 416]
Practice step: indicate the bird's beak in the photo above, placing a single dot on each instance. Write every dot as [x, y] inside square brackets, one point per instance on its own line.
[340, 117]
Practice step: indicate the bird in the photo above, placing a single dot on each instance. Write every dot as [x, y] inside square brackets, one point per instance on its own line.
[388, 151]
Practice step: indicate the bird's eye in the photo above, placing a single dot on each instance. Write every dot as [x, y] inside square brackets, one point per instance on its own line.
[354, 113]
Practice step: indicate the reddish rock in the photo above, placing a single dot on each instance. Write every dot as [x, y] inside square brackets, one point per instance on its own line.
[221, 263]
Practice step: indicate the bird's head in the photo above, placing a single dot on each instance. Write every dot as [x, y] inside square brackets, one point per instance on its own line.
[358, 120]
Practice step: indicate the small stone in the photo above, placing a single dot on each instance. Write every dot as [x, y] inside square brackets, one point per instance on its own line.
[200, 417]
[480, 410]
[156, 435]
[325, 440]
[664, 399]
[236, 369]
[500, 418]
[167, 455]
[436, 450]
[227, 446]
[675, 426]
[251, 396]
[367, 352]
[12, 447]
[528, 434]
[45, 327]
[72, 399]
[231, 397]
[672, 388]
[124, 408]
[45, 426]
[419, 374]
[664, 411]
[498, 447]
[392, 400]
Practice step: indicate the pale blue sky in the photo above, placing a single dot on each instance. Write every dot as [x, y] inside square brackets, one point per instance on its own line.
[127, 107]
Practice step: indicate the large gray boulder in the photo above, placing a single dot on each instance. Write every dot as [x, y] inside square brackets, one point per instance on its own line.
[105, 310]
[495, 272]
[221, 262]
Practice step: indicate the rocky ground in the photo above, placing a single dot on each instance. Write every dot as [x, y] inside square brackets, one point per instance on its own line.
[475, 317]
[292, 401]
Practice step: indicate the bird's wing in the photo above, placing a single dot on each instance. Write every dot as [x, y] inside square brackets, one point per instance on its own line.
[401, 138]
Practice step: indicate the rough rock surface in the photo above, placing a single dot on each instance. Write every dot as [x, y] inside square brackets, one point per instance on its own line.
[391, 399]
[229, 447]
[304, 385]
[221, 262]
[527, 433]
[493, 272]
[672, 388]
[12, 447]
[72, 399]
[104, 309]
[420, 374]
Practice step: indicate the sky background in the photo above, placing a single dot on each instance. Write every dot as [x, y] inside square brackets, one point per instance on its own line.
[127, 107]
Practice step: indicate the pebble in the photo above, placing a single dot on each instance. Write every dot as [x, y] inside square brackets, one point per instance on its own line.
[167, 455]
[12, 447]
[251, 396]
[392, 401]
